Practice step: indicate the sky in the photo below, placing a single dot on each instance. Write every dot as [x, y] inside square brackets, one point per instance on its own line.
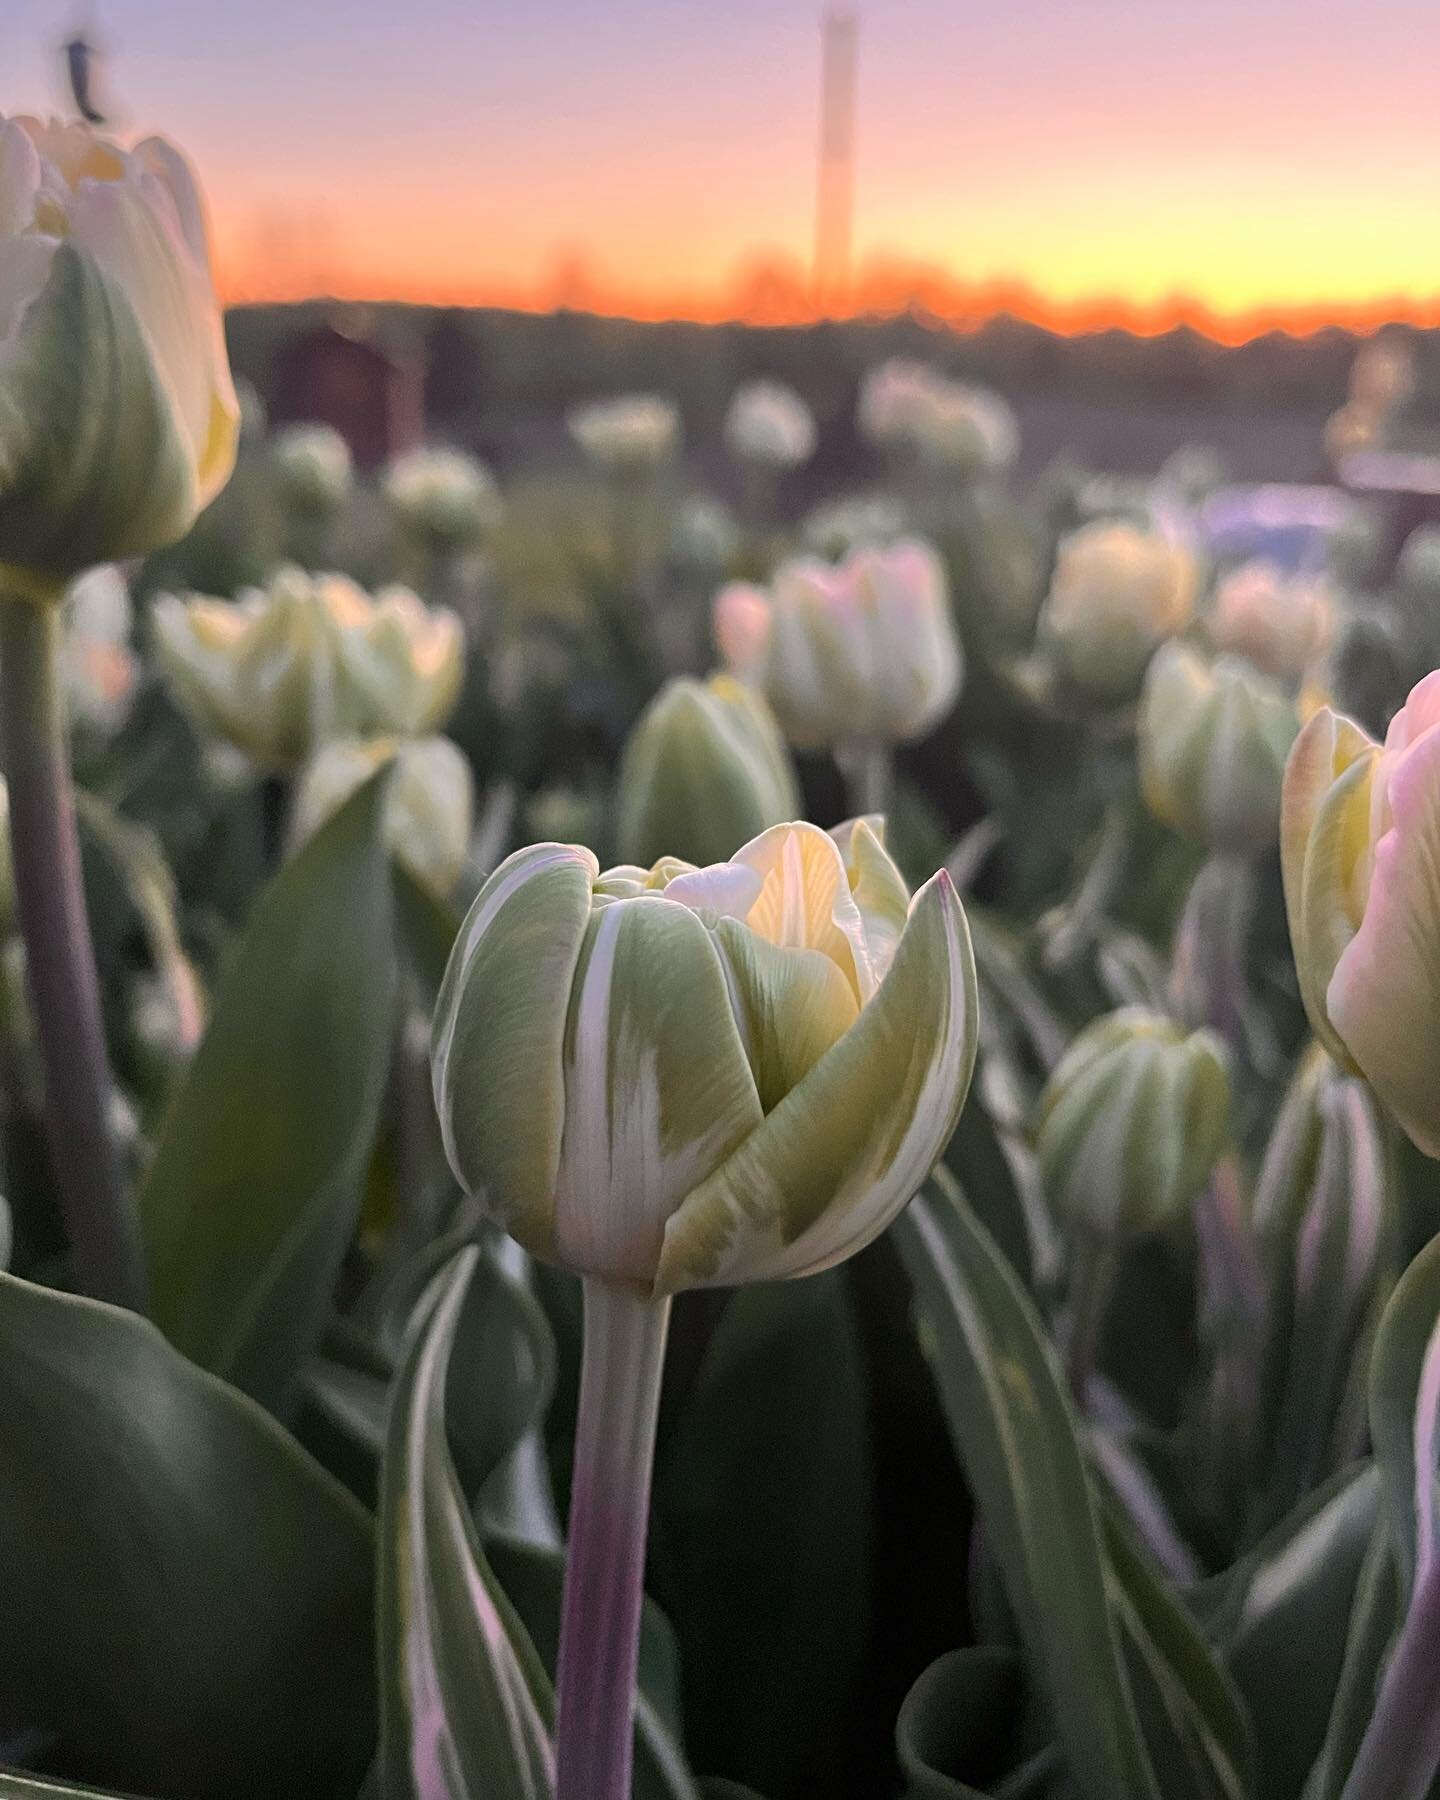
[1185, 157]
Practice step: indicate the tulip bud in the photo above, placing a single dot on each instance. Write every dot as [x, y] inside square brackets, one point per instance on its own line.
[769, 423]
[967, 431]
[283, 670]
[705, 770]
[1324, 1234]
[859, 653]
[1117, 593]
[1213, 739]
[445, 500]
[704, 538]
[313, 470]
[689, 1077]
[1284, 625]
[1359, 847]
[429, 801]
[628, 435]
[118, 419]
[1131, 1122]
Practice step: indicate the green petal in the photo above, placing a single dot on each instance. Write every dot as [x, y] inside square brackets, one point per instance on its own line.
[498, 1038]
[844, 1151]
[877, 885]
[93, 464]
[792, 1005]
[658, 1091]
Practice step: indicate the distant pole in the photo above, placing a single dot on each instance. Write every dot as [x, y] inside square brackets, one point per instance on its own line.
[835, 189]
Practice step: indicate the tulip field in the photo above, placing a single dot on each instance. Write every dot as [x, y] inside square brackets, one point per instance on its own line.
[665, 1138]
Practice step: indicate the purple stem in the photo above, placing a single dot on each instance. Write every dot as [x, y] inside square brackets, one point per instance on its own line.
[1400, 1752]
[621, 1361]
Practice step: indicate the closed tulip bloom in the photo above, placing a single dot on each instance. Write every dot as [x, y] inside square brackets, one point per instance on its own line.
[682, 1077]
[859, 653]
[967, 431]
[429, 801]
[313, 469]
[769, 423]
[282, 670]
[704, 771]
[1360, 846]
[1213, 738]
[447, 501]
[629, 434]
[1282, 624]
[118, 418]
[1131, 1122]
[1116, 594]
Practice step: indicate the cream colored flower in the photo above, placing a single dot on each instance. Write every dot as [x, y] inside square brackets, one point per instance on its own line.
[284, 669]
[118, 418]
[629, 434]
[1283, 624]
[446, 500]
[769, 423]
[857, 653]
[1360, 851]
[1116, 594]
[683, 1077]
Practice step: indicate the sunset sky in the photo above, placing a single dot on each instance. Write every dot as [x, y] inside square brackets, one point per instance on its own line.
[1243, 153]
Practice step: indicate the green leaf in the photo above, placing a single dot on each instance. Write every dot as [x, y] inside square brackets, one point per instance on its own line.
[41, 1787]
[1374, 1619]
[187, 1595]
[763, 1531]
[1404, 1394]
[466, 1709]
[1291, 1601]
[253, 1194]
[1015, 1433]
[957, 1725]
[428, 928]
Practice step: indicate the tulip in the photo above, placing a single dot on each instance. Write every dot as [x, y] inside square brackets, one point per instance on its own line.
[118, 422]
[769, 423]
[967, 431]
[313, 470]
[1284, 625]
[1359, 845]
[1116, 594]
[118, 418]
[861, 653]
[1131, 1122]
[429, 801]
[281, 671]
[630, 434]
[704, 537]
[99, 670]
[1213, 739]
[680, 1077]
[704, 771]
[1324, 1230]
[445, 500]
[691, 1077]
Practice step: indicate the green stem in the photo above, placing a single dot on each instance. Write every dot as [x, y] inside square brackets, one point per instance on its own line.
[1091, 1273]
[620, 1369]
[60, 958]
[869, 773]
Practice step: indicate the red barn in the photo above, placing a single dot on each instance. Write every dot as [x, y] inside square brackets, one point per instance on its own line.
[338, 375]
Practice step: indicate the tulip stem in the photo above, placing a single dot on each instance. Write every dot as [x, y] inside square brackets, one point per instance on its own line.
[1400, 1752]
[60, 957]
[1091, 1273]
[870, 778]
[622, 1357]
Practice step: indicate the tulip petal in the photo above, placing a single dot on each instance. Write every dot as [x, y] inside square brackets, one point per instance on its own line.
[94, 466]
[498, 1040]
[791, 1006]
[843, 1152]
[877, 885]
[1384, 995]
[805, 900]
[658, 1091]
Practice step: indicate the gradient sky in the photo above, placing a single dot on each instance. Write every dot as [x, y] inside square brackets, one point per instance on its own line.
[1241, 152]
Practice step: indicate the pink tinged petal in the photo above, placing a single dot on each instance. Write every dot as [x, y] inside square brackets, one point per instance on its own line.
[742, 628]
[728, 890]
[1384, 996]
